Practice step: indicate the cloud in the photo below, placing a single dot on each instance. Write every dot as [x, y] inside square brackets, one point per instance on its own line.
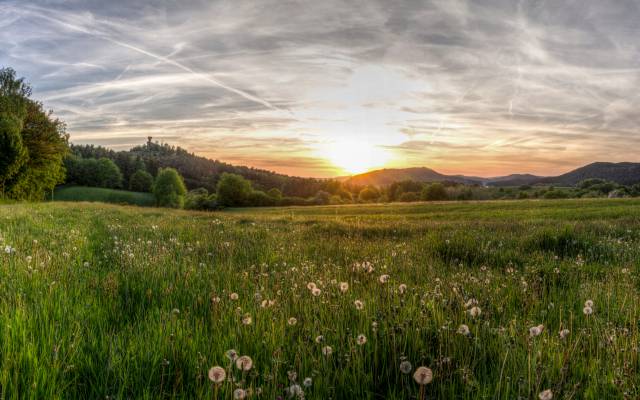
[460, 86]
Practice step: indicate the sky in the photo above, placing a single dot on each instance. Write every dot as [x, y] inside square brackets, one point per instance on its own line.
[336, 87]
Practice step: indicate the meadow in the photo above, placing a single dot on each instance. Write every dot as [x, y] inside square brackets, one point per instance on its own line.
[496, 300]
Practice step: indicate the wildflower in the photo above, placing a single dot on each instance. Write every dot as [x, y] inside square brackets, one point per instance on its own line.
[470, 303]
[463, 330]
[246, 320]
[344, 286]
[587, 310]
[217, 374]
[588, 303]
[244, 363]
[564, 333]
[296, 391]
[327, 350]
[383, 278]
[546, 395]
[316, 292]
[307, 382]
[233, 296]
[239, 394]
[86, 264]
[292, 375]
[362, 339]
[292, 321]
[232, 354]
[475, 311]
[319, 339]
[359, 304]
[311, 285]
[423, 375]
[405, 367]
[402, 288]
[536, 330]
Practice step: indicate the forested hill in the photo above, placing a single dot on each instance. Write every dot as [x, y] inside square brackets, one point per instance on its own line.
[199, 171]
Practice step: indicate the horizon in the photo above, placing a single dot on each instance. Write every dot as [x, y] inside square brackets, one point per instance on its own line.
[328, 90]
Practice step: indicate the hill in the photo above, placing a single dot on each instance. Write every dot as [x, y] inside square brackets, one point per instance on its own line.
[197, 171]
[623, 173]
[385, 177]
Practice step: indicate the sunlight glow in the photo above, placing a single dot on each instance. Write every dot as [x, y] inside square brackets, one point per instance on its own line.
[354, 157]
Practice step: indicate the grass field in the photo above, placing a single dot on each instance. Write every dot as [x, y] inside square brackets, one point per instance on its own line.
[102, 195]
[101, 301]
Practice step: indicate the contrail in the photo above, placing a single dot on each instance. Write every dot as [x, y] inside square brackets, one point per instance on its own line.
[35, 12]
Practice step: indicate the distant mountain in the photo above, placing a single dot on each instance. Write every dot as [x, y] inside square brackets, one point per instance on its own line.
[513, 180]
[385, 177]
[624, 173]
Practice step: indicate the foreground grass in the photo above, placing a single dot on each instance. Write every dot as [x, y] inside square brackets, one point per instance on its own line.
[114, 196]
[102, 301]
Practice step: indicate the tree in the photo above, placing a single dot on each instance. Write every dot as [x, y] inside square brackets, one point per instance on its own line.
[368, 194]
[233, 190]
[141, 181]
[434, 192]
[169, 188]
[322, 198]
[32, 143]
[109, 175]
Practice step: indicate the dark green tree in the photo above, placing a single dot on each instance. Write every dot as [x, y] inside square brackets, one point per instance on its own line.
[141, 181]
[233, 190]
[434, 192]
[32, 143]
[169, 188]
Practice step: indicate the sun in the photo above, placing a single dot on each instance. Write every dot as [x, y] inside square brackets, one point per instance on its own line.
[353, 157]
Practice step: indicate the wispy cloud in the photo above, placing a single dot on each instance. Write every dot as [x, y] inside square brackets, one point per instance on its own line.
[462, 86]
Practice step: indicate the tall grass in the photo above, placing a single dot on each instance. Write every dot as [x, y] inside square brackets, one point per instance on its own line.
[102, 301]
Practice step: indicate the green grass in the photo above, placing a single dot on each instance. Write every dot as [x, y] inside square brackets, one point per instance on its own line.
[102, 195]
[103, 301]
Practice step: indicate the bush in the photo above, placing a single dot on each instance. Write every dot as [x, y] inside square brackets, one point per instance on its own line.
[258, 198]
[408, 197]
[434, 192]
[368, 195]
[233, 190]
[169, 189]
[200, 199]
[322, 198]
[141, 181]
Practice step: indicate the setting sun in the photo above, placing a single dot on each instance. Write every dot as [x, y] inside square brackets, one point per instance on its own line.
[353, 157]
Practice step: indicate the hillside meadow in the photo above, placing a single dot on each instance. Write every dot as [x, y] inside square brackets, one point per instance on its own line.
[499, 300]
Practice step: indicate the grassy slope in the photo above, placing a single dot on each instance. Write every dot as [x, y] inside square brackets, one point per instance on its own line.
[112, 327]
[92, 194]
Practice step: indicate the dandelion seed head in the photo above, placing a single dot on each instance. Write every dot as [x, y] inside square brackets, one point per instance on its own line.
[423, 375]
[217, 374]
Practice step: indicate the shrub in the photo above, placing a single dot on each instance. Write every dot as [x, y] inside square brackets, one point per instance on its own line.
[368, 194]
[141, 181]
[434, 192]
[169, 188]
[409, 197]
[258, 198]
[200, 199]
[233, 190]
